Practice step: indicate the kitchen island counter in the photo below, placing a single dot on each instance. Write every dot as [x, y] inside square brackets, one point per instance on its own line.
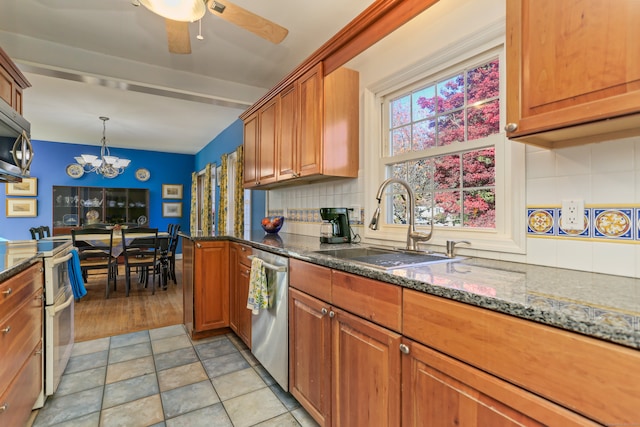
[597, 305]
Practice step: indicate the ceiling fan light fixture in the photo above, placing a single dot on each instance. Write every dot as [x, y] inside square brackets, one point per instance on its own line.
[177, 10]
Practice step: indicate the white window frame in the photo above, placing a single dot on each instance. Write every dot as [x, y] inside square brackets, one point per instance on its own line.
[508, 235]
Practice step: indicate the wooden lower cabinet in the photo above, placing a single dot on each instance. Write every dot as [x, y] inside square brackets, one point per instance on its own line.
[440, 391]
[344, 369]
[365, 372]
[21, 320]
[310, 354]
[206, 287]
[239, 273]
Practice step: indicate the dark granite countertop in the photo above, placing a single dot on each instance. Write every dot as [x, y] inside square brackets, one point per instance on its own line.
[597, 305]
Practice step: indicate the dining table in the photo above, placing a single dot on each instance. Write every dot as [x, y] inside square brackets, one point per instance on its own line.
[118, 247]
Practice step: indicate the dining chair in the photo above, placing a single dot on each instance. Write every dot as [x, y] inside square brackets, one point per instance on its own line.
[141, 253]
[95, 250]
[35, 233]
[45, 231]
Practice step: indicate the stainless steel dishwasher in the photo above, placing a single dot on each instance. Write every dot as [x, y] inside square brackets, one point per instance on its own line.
[270, 327]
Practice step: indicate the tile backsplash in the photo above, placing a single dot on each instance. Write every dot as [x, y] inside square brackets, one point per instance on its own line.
[605, 175]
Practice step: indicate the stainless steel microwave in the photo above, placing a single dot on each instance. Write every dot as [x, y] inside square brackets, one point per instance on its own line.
[16, 152]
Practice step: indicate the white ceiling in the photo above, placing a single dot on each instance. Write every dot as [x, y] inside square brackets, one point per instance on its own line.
[91, 58]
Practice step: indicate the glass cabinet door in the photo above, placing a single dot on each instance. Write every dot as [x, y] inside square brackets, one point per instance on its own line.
[90, 205]
[65, 207]
[116, 205]
[138, 202]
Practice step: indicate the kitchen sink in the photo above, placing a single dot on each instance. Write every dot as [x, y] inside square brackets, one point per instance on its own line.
[385, 259]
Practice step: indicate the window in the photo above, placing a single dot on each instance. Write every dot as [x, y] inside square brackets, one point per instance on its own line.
[439, 123]
[443, 116]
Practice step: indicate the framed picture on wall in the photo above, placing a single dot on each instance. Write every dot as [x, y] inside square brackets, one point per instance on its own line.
[17, 208]
[172, 191]
[172, 209]
[28, 187]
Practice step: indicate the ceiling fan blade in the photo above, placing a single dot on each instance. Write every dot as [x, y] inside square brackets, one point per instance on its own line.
[258, 25]
[178, 36]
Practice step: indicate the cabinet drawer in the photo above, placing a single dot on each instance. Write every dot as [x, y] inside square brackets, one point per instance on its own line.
[379, 302]
[310, 278]
[586, 375]
[244, 252]
[19, 334]
[16, 289]
[18, 400]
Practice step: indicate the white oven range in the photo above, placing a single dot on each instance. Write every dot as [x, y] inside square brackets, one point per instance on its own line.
[58, 313]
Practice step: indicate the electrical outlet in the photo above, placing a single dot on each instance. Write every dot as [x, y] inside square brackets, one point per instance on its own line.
[572, 214]
[354, 215]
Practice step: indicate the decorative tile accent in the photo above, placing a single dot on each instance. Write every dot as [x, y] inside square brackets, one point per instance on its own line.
[311, 215]
[613, 224]
[541, 221]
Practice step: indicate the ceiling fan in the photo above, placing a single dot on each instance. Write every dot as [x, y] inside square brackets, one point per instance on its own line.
[178, 14]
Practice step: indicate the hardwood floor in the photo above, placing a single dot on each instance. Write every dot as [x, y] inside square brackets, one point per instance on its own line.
[97, 317]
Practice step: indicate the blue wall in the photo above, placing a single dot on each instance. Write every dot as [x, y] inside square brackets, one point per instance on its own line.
[49, 166]
[226, 142]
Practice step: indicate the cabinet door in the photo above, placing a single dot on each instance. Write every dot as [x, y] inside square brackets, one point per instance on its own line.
[239, 315]
[310, 86]
[65, 209]
[366, 373]
[267, 140]
[439, 391]
[211, 286]
[571, 63]
[310, 355]
[287, 144]
[250, 152]
[91, 205]
[233, 288]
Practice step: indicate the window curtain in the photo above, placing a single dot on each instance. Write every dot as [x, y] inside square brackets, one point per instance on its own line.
[238, 197]
[207, 202]
[222, 211]
[193, 217]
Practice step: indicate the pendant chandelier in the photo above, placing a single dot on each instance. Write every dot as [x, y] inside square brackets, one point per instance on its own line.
[106, 165]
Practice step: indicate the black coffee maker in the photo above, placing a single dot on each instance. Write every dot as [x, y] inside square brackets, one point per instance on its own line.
[339, 220]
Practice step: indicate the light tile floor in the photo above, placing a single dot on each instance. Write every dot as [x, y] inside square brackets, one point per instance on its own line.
[160, 377]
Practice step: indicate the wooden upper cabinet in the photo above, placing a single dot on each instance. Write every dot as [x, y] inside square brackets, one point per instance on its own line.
[12, 82]
[570, 67]
[287, 146]
[307, 131]
[260, 139]
[310, 139]
[251, 151]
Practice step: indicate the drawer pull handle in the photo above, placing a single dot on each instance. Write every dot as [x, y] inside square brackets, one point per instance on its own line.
[404, 348]
[332, 314]
[324, 311]
[242, 248]
[7, 292]
[4, 407]
[6, 330]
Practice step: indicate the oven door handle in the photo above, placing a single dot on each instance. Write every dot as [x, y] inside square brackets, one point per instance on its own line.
[52, 310]
[62, 259]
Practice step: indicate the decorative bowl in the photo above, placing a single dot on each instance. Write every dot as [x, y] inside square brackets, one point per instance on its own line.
[272, 224]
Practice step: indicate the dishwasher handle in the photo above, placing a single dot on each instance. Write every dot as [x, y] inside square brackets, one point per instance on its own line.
[277, 268]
